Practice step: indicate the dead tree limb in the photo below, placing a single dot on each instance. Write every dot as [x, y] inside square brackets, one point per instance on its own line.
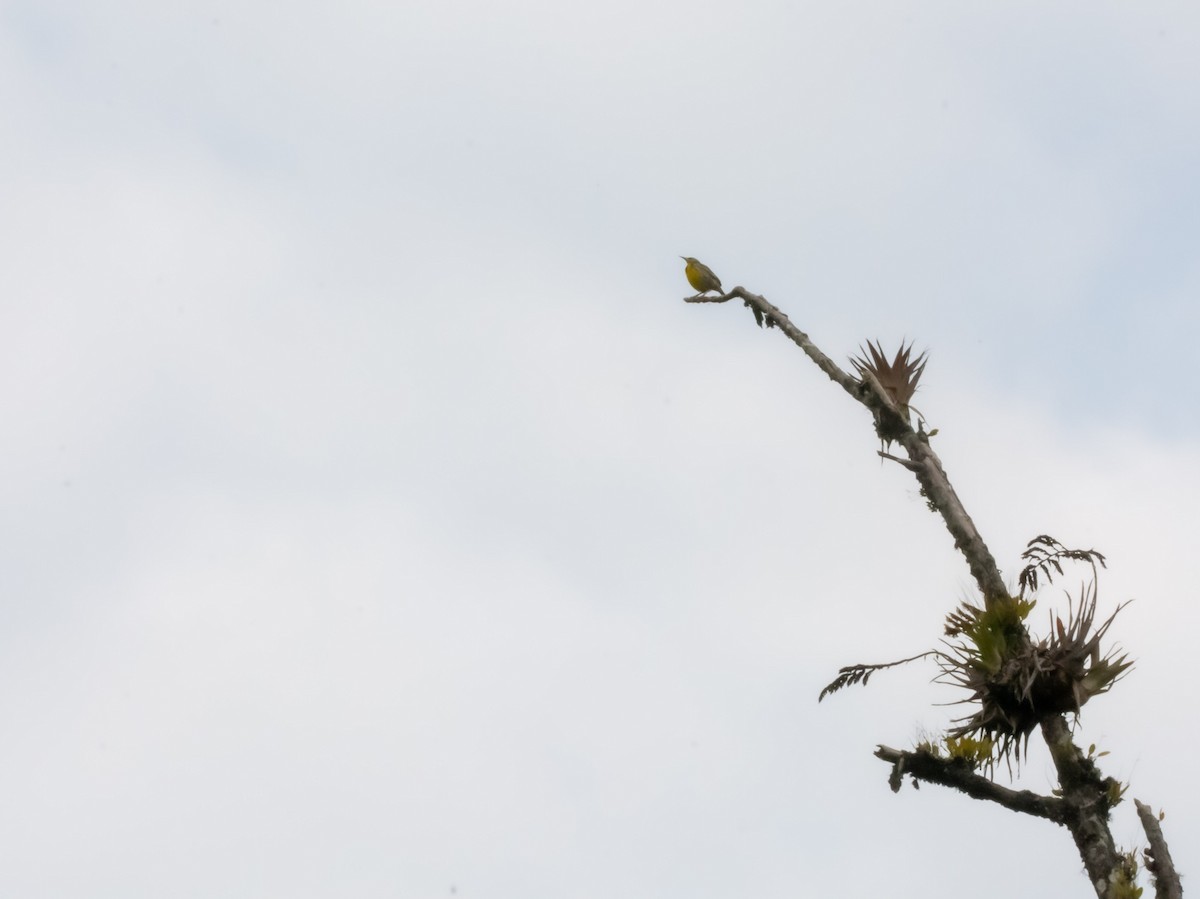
[1157, 858]
[1087, 796]
[924, 765]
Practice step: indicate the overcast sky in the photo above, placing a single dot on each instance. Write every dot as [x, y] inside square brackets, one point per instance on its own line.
[377, 521]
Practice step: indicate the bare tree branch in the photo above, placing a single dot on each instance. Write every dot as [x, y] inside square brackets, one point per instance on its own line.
[1157, 857]
[924, 462]
[956, 773]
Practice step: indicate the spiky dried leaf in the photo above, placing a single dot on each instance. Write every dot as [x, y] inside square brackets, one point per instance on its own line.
[898, 377]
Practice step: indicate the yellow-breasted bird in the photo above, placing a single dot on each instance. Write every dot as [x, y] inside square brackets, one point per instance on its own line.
[700, 276]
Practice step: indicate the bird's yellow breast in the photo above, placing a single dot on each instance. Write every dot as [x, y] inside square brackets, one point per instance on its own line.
[701, 277]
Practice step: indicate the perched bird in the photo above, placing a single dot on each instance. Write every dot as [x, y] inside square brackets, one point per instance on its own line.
[700, 276]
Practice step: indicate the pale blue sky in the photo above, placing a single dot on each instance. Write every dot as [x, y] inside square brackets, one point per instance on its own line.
[377, 521]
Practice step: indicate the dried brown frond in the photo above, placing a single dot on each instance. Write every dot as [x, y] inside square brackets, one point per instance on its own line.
[1045, 555]
[850, 675]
